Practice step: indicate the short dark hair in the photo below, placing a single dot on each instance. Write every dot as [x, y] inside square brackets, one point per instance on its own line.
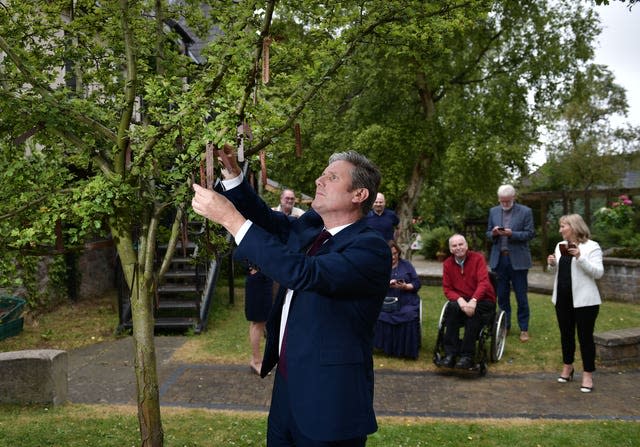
[363, 175]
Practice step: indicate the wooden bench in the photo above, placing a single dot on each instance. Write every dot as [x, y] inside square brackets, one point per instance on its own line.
[618, 347]
[33, 376]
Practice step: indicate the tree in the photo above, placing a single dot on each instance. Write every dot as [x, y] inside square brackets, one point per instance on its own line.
[449, 105]
[606, 2]
[584, 149]
[119, 135]
[115, 145]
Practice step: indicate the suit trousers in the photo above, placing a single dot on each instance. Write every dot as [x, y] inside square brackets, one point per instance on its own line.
[282, 430]
[506, 277]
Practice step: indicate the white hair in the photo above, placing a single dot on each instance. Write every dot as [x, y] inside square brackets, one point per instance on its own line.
[506, 191]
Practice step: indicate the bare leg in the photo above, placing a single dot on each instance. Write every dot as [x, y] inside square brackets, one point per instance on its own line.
[256, 333]
[587, 379]
[567, 370]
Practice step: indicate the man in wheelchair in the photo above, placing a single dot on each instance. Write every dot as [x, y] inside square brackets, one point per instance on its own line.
[472, 303]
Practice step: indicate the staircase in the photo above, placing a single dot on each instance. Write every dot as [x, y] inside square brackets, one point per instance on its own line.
[184, 295]
[179, 295]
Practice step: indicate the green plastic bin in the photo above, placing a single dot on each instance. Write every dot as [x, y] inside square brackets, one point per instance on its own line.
[11, 328]
[10, 308]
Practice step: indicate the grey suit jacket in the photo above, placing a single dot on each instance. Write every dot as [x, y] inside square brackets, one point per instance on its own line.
[523, 231]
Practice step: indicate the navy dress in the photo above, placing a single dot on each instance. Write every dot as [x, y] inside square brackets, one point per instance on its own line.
[258, 297]
[398, 333]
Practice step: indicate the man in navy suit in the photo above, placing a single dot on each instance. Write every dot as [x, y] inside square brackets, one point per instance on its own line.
[510, 228]
[320, 331]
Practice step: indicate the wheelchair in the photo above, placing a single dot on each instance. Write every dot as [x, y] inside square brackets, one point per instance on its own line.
[490, 343]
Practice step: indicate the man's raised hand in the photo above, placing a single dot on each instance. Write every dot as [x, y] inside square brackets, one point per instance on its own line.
[217, 208]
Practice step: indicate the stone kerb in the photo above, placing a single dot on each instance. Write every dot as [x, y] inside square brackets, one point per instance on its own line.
[621, 280]
[34, 376]
[618, 347]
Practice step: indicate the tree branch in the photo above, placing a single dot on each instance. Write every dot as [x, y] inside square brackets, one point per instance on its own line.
[47, 95]
[328, 75]
[131, 70]
[32, 203]
[251, 77]
[96, 156]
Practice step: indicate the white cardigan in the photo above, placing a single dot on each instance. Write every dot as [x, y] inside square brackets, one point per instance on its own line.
[584, 272]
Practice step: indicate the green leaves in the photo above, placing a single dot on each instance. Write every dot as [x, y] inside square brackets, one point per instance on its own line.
[438, 94]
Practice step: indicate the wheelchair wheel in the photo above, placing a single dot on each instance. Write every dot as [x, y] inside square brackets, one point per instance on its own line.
[441, 319]
[438, 350]
[498, 336]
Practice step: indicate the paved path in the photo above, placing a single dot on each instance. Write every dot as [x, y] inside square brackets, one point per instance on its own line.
[103, 374]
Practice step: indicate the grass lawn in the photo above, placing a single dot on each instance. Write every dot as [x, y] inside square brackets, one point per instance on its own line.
[85, 323]
[226, 340]
[116, 426]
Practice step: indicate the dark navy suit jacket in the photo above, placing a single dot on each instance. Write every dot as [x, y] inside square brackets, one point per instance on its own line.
[523, 231]
[338, 296]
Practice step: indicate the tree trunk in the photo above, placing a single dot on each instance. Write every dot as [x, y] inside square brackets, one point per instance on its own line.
[138, 275]
[408, 200]
[151, 433]
[407, 203]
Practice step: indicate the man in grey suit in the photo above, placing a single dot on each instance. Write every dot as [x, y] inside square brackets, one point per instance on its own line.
[510, 228]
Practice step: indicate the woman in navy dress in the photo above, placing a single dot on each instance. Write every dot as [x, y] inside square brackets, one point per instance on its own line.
[397, 333]
[257, 305]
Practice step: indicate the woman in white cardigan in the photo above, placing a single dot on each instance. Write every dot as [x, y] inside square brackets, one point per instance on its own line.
[575, 295]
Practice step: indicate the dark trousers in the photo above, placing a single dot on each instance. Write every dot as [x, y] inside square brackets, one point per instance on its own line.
[506, 277]
[582, 319]
[455, 318]
[282, 430]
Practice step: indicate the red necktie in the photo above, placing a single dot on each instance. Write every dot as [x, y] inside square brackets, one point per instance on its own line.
[320, 239]
[317, 243]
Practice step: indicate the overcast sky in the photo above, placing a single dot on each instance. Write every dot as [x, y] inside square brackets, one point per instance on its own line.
[619, 49]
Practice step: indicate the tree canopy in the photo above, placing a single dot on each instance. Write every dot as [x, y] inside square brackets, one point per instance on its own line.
[448, 105]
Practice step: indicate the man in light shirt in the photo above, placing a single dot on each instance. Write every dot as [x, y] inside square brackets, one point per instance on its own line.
[287, 202]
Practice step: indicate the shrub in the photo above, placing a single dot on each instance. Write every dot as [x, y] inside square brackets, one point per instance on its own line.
[40, 280]
[616, 227]
[435, 241]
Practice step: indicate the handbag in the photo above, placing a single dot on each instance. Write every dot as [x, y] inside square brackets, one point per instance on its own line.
[390, 304]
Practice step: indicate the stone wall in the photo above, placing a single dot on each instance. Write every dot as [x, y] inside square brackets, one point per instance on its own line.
[96, 267]
[618, 347]
[621, 280]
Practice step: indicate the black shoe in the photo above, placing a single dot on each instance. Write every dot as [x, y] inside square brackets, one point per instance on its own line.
[465, 362]
[569, 378]
[448, 361]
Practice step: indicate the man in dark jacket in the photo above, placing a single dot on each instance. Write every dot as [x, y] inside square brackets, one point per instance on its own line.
[320, 332]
